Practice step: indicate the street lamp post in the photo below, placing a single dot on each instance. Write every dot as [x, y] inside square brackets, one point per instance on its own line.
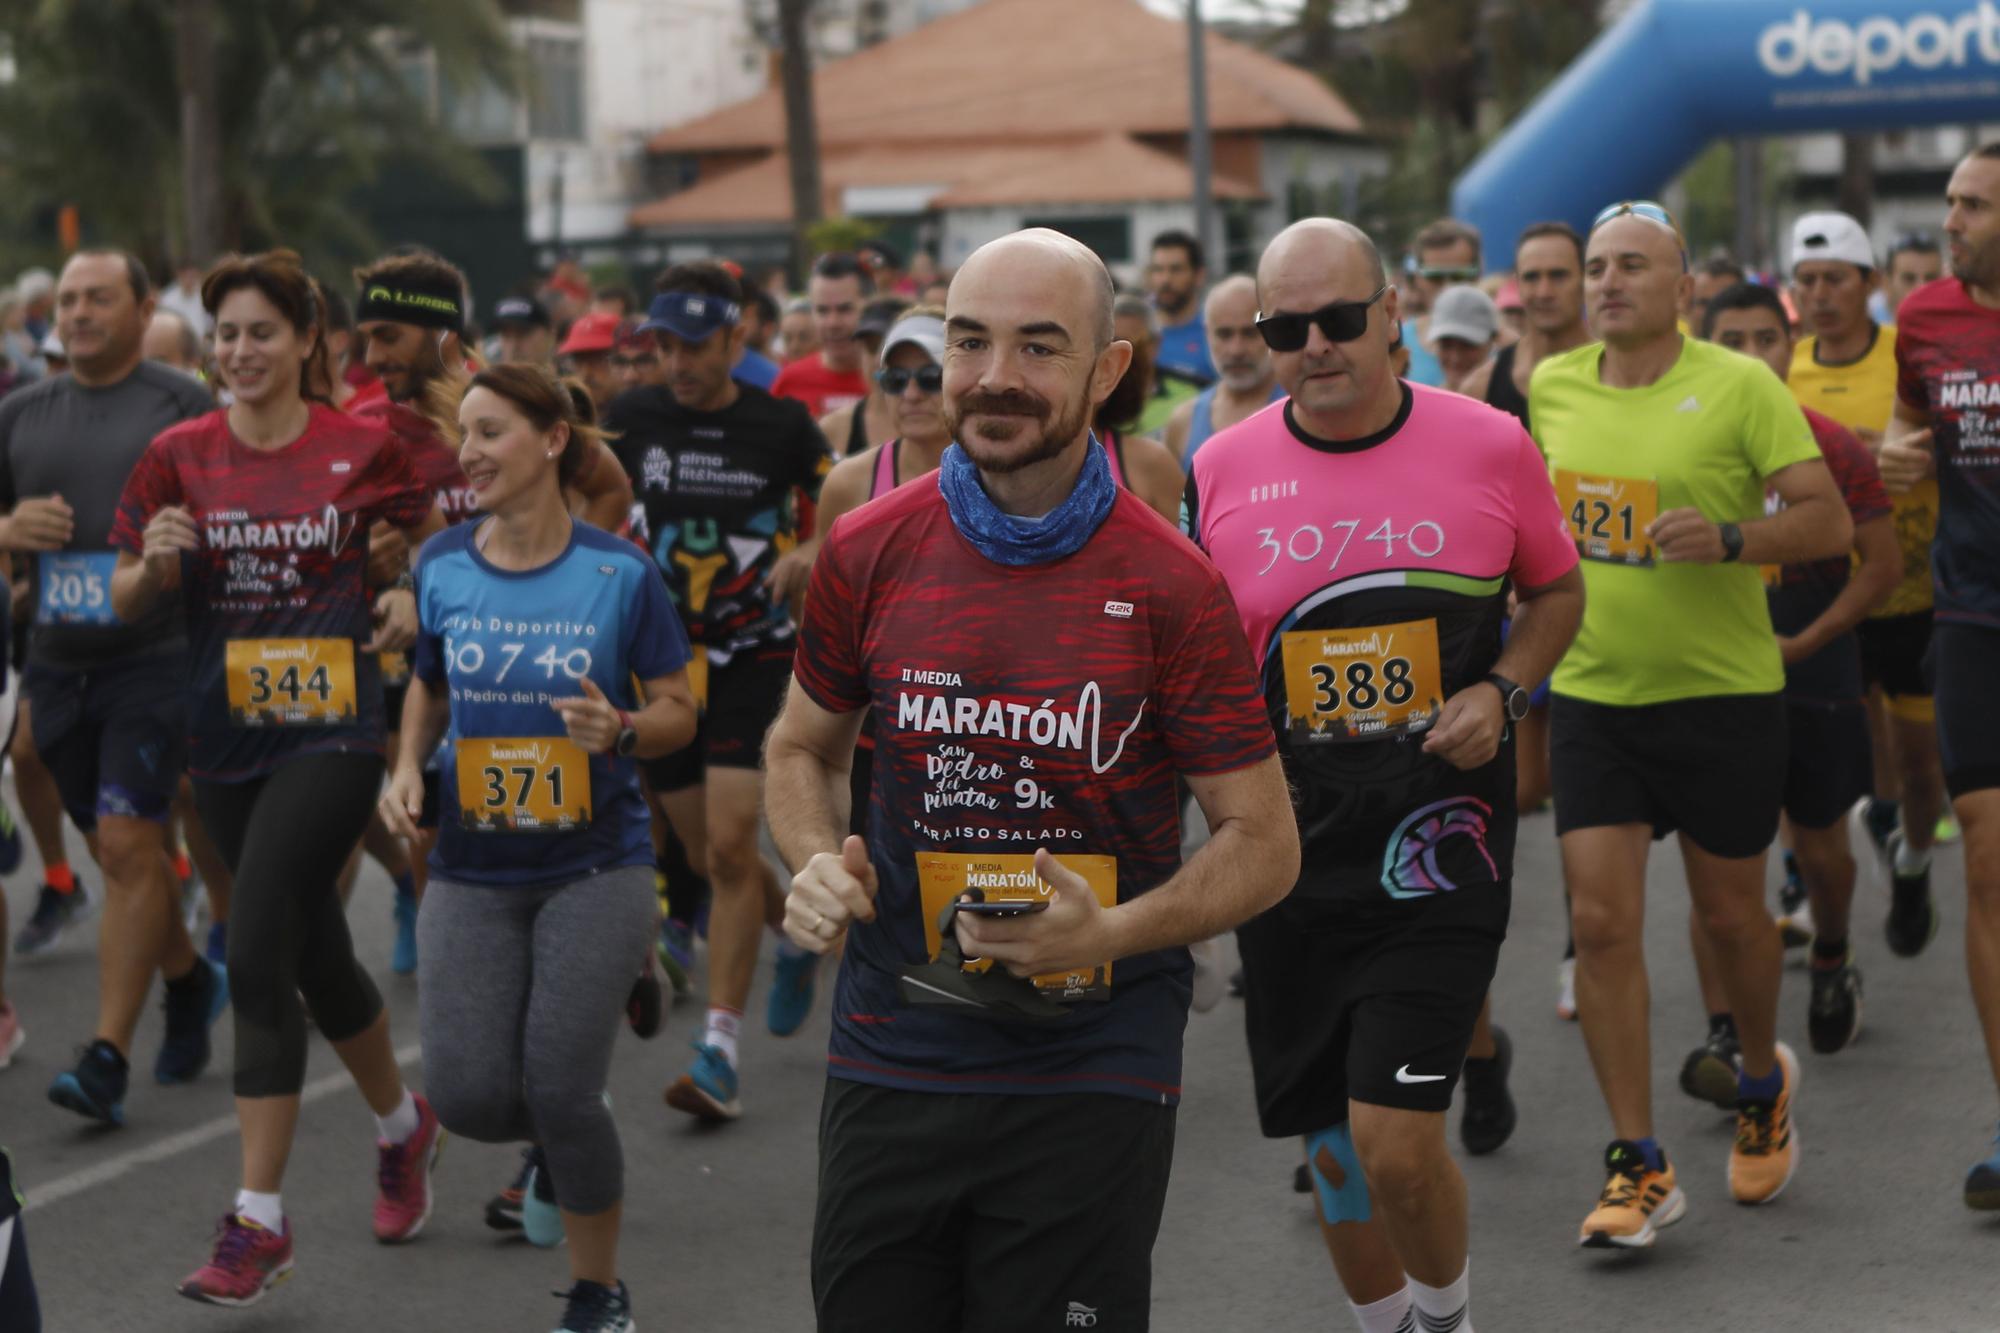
[1199, 153]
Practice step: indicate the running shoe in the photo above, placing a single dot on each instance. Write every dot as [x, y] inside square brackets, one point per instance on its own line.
[403, 957]
[596, 1308]
[217, 948]
[1489, 1117]
[791, 1001]
[1767, 1148]
[708, 1090]
[248, 1261]
[1709, 1072]
[95, 1089]
[1566, 990]
[1302, 1181]
[191, 1013]
[1947, 829]
[403, 1176]
[1913, 917]
[675, 951]
[1637, 1201]
[1795, 924]
[1236, 984]
[503, 1210]
[1834, 1018]
[10, 841]
[541, 1218]
[55, 912]
[1982, 1182]
[643, 1005]
[11, 1034]
[1872, 821]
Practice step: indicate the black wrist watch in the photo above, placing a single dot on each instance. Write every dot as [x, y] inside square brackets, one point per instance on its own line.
[628, 736]
[1732, 542]
[1514, 700]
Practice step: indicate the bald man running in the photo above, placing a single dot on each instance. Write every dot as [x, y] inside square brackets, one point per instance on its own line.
[1246, 382]
[1044, 655]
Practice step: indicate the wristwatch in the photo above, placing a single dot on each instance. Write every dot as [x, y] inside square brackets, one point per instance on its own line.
[628, 736]
[1732, 542]
[1513, 699]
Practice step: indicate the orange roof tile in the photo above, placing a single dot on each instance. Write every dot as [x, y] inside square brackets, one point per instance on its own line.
[1009, 68]
[1108, 168]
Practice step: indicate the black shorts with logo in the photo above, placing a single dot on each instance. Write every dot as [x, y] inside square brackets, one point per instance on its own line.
[744, 699]
[1375, 1004]
[1966, 659]
[114, 736]
[981, 1213]
[1713, 769]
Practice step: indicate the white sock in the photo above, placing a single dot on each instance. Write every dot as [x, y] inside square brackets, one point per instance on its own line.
[266, 1210]
[1910, 861]
[399, 1124]
[1443, 1309]
[723, 1025]
[1391, 1314]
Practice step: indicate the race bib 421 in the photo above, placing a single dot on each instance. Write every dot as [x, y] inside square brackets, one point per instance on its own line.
[1608, 516]
[290, 682]
[1011, 877]
[1365, 684]
[523, 784]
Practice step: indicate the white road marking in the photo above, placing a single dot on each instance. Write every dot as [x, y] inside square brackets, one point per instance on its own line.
[112, 1168]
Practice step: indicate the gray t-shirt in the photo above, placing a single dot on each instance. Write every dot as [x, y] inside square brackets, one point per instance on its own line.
[58, 437]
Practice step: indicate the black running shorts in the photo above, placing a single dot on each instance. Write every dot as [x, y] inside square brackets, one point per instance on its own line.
[1828, 763]
[1967, 663]
[1892, 654]
[744, 699]
[980, 1213]
[114, 736]
[1371, 1004]
[1713, 769]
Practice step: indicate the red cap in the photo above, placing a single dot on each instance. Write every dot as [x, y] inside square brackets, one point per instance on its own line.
[591, 333]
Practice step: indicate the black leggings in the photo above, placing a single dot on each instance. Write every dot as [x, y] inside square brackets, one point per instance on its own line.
[285, 837]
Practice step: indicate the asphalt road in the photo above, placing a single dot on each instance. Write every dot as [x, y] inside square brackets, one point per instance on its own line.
[1870, 1236]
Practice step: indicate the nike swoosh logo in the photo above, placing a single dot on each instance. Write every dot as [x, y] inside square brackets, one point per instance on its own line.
[1404, 1075]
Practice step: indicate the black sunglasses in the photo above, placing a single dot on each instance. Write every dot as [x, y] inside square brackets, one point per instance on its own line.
[930, 379]
[1340, 321]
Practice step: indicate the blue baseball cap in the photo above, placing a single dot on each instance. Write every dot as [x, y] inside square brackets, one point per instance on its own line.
[690, 316]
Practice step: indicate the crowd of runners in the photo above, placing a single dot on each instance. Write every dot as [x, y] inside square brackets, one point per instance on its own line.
[966, 592]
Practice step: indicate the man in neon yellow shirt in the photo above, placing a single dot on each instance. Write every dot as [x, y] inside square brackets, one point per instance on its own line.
[1668, 713]
[1846, 370]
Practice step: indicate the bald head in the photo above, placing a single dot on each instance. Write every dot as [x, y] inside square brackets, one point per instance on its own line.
[1229, 298]
[1635, 281]
[1041, 255]
[1234, 345]
[1325, 245]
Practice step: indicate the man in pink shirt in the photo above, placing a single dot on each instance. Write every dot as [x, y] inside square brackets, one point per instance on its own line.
[1368, 531]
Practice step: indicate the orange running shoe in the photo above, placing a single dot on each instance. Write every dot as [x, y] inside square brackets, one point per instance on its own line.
[1767, 1147]
[1637, 1201]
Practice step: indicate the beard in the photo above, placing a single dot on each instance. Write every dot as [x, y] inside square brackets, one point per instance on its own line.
[1015, 430]
[1981, 267]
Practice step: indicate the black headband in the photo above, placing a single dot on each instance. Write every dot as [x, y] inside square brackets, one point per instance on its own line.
[412, 300]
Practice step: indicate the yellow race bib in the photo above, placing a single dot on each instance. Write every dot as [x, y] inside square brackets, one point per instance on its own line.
[1010, 877]
[290, 682]
[1608, 516]
[1362, 684]
[523, 784]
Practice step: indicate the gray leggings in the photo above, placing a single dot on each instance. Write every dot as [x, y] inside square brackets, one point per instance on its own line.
[521, 994]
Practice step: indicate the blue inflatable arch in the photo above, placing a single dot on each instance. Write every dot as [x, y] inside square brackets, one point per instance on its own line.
[1672, 75]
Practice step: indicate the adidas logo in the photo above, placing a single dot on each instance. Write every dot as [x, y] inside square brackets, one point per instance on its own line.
[1689, 404]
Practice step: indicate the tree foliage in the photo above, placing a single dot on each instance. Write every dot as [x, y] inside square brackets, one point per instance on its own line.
[314, 97]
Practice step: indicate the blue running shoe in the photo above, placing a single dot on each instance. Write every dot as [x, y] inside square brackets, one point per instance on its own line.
[403, 960]
[55, 912]
[791, 990]
[217, 948]
[541, 1220]
[1982, 1182]
[192, 1009]
[676, 954]
[596, 1308]
[708, 1090]
[95, 1089]
[10, 842]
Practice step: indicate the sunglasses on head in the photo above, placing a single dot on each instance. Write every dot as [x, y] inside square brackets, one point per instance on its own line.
[1648, 211]
[930, 379]
[1340, 321]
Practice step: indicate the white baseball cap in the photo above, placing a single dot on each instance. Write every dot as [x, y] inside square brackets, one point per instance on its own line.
[1831, 236]
[1465, 313]
[922, 331]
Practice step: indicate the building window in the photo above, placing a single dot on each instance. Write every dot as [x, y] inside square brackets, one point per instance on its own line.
[1110, 235]
[555, 87]
[480, 114]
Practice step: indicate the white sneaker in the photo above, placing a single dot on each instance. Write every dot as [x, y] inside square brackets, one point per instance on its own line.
[1209, 983]
[1566, 999]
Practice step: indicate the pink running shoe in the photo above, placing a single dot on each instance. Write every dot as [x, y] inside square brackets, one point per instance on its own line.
[404, 1176]
[11, 1035]
[248, 1261]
